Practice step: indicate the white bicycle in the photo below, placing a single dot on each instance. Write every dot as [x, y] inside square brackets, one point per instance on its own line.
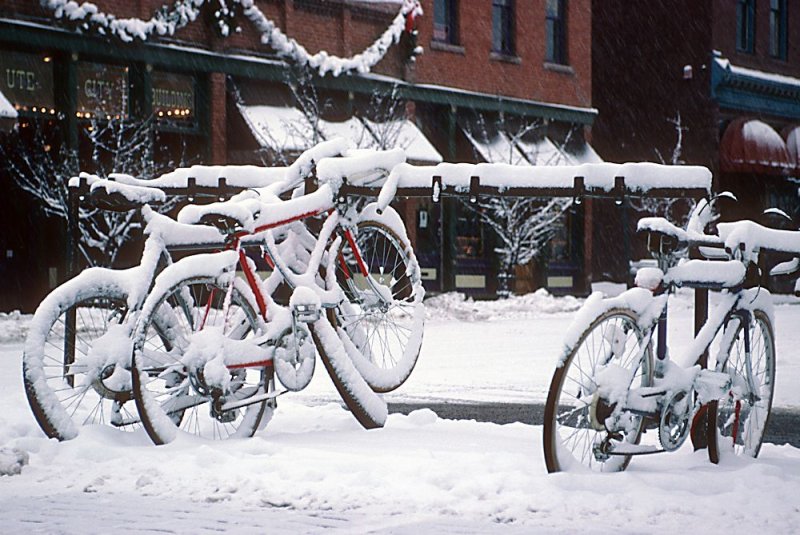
[608, 388]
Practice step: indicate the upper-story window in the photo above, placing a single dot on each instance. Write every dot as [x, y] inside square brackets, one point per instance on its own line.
[745, 25]
[503, 26]
[445, 21]
[777, 29]
[556, 31]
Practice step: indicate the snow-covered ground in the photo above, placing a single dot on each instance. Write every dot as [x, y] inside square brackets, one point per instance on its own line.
[315, 470]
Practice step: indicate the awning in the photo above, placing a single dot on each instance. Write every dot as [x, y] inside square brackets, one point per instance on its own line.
[405, 134]
[502, 148]
[8, 115]
[752, 146]
[544, 152]
[792, 136]
[279, 128]
[496, 148]
[283, 128]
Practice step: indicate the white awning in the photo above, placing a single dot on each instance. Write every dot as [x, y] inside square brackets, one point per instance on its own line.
[279, 127]
[7, 110]
[404, 134]
[497, 149]
[544, 152]
[283, 128]
[585, 154]
[502, 149]
[351, 129]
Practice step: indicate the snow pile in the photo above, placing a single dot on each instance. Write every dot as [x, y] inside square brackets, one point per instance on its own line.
[457, 306]
[314, 469]
[14, 326]
[11, 461]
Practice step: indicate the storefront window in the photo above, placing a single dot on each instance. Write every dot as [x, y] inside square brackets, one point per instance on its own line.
[102, 91]
[28, 82]
[173, 97]
[469, 235]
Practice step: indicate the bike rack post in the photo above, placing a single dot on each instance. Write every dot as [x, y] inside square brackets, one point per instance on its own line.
[699, 441]
[74, 198]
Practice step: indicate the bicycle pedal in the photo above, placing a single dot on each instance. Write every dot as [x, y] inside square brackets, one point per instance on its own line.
[305, 313]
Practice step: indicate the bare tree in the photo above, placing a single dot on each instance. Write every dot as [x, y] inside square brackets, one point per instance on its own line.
[43, 169]
[523, 225]
[673, 208]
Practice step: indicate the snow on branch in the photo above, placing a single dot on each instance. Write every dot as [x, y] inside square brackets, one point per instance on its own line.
[167, 20]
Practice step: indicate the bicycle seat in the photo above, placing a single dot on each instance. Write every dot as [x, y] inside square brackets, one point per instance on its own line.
[108, 194]
[662, 236]
[228, 217]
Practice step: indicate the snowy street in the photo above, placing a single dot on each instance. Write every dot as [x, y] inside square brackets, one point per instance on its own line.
[314, 470]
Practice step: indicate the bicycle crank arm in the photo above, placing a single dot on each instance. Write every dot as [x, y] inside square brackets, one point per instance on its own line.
[231, 405]
[625, 448]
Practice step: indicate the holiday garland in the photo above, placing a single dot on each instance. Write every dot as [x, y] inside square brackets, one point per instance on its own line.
[87, 17]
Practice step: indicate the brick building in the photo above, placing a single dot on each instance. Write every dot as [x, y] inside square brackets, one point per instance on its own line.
[720, 79]
[214, 93]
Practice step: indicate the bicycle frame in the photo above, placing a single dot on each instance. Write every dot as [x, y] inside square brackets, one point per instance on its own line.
[671, 377]
[273, 258]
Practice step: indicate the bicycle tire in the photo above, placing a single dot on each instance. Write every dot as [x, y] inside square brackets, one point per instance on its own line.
[741, 431]
[365, 405]
[585, 407]
[383, 342]
[60, 392]
[169, 399]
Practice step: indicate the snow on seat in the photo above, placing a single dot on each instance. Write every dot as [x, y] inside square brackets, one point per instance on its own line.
[707, 274]
[239, 213]
[662, 226]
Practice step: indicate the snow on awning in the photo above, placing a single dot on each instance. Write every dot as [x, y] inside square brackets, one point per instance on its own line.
[352, 129]
[752, 146]
[495, 149]
[8, 115]
[280, 128]
[544, 152]
[792, 136]
[502, 149]
[585, 154]
[283, 128]
[404, 134]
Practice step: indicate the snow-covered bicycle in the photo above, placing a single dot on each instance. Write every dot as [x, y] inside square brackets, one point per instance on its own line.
[356, 295]
[76, 360]
[608, 387]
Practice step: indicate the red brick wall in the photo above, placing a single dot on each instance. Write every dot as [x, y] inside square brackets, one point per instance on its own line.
[724, 38]
[219, 139]
[473, 68]
[340, 29]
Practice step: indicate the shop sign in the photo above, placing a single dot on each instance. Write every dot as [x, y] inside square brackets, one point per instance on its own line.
[173, 96]
[28, 81]
[102, 90]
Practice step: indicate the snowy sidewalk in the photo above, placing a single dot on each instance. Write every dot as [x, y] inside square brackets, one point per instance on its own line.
[313, 470]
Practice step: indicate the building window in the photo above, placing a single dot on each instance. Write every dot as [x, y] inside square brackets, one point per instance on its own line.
[556, 31]
[745, 25]
[503, 26]
[445, 21]
[777, 29]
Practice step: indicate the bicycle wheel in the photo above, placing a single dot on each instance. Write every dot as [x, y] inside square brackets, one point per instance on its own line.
[738, 426]
[575, 414]
[365, 405]
[179, 385]
[66, 383]
[381, 320]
